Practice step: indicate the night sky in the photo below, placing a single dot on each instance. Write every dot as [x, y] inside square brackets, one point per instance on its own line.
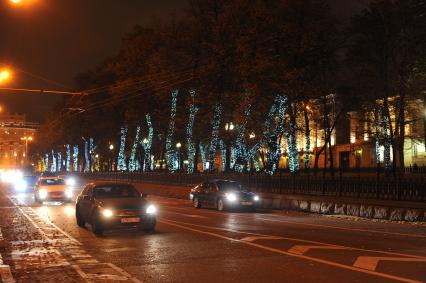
[57, 39]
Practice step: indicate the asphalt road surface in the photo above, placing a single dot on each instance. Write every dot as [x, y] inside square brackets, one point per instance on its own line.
[44, 244]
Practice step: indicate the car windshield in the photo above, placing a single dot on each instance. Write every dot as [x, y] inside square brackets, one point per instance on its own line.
[229, 186]
[115, 192]
[52, 182]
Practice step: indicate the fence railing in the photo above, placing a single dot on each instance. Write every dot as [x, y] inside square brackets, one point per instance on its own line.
[379, 187]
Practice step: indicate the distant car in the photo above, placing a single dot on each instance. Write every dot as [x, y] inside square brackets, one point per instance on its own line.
[223, 195]
[108, 205]
[52, 188]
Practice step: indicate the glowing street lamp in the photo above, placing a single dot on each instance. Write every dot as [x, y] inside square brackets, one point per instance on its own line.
[111, 147]
[5, 75]
[27, 139]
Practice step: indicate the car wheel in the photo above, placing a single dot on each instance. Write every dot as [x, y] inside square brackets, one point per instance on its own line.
[196, 203]
[97, 225]
[220, 205]
[148, 227]
[80, 221]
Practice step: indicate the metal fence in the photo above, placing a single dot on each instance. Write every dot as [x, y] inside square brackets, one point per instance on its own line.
[380, 187]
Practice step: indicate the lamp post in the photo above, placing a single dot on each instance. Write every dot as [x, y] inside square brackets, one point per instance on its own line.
[178, 146]
[110, 165]
[229, 127]
[26, 139]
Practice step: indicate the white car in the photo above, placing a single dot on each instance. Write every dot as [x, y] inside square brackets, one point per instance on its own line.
[52, 188]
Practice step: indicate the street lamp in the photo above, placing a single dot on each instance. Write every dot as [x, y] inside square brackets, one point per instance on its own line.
[111, 147]
[178, 146]
[5, 75]
[26, 139]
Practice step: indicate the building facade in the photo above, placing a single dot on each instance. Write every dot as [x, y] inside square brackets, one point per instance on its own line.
[15, 136]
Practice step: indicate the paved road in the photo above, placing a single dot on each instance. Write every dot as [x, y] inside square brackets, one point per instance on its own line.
[44, 244]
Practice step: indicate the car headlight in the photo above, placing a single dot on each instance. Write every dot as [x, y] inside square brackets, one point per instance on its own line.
[151, 209]
[21, 185]
[70, 182]
[68, 193]
[42, 194]
[231, 197]
[256, 198]
[107, 213]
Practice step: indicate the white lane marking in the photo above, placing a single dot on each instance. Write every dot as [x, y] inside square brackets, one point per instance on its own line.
[296, 240]
[187, 215]
[255, 238]
[300, 250]
[326, 262]
[304, 224]
[71, 250]
[122, 271]
[371, 262]
[113, 250]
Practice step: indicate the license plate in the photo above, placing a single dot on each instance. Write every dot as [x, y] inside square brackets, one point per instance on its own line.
[246, 203]
[130, 220]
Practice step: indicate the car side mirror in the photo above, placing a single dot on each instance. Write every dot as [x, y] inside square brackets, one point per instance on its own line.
[144, 195]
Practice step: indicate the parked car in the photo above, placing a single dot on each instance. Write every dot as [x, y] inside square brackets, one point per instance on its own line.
[108, 205]
[52, 188]
[223, 195]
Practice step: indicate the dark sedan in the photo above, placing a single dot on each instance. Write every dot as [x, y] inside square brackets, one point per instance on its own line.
[109, 205]
[223, 195]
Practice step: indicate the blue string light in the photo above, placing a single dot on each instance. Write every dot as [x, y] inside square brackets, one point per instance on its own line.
[203, 154]
[133, 162]
[86, 156]
[217, 115]
[149, 163]
[307, 150]
[46, 161]
[189, 133]
[68, 162]
[171, 156]
[75, 158]
[53, 167]
[121, 162]
[387, 159]
[271, 139]
[59, 161]
[92, 149]
[252, 156]
[377, 135]
[222, 147]
[239, 151]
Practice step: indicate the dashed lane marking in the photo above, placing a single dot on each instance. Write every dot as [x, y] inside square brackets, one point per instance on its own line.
[301, 256]
[296, 239]
[300, 250]
[371, 262]
[62, 246]
[255, 238]
[114, 250]
[305, 224]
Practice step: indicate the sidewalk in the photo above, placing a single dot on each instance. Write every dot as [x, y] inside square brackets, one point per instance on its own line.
[5, 272]
[366, 208]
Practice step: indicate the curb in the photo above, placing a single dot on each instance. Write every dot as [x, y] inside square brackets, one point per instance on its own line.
[5, 273]
[2, 241]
